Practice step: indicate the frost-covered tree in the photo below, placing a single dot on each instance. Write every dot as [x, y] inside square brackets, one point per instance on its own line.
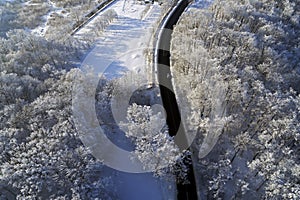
[8, 14]
[31, 14]
[42, 155]
[248, 48]
[103, 21]
[60, 17]
[154, 148]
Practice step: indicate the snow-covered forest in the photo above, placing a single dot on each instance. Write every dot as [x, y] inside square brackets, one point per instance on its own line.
[41, 155]
[235, 68]
[237, 75]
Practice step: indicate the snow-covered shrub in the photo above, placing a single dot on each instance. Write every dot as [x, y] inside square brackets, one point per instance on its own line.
[31, 14]
[103, 21]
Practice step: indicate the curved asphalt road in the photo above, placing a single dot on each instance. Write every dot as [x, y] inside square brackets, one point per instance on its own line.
[186, 191]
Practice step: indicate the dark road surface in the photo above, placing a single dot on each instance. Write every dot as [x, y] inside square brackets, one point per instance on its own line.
[186, 191]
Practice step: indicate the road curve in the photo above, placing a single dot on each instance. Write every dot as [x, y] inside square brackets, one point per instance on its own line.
[162, 62]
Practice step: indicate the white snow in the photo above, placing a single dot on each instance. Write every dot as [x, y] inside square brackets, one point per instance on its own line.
[120, 49]
[201, 3]
[42, 29]
[121, 46]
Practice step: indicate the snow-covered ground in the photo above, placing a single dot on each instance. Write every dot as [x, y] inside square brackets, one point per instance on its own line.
[42, 29]
[121, 46]
[201, 3]
[121, 49]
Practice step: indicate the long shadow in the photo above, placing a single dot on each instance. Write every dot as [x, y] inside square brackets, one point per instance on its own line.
[185, 191]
